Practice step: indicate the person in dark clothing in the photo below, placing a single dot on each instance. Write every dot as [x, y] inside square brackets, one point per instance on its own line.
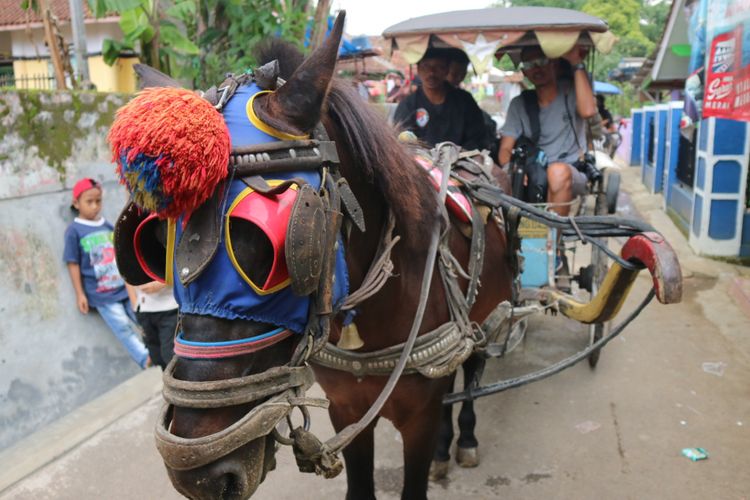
[157, 314]
[457, 69]
[607, 121]
[439, 112]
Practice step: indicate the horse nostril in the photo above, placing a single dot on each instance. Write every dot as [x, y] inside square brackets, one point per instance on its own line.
[230, 486]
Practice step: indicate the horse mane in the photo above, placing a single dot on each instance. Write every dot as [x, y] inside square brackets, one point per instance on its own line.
[374, 148]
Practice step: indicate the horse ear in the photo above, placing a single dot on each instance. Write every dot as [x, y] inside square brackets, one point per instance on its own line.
[296, 106]
[150, 77]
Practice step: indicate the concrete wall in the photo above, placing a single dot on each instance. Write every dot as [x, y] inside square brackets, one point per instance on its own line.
[53, 359]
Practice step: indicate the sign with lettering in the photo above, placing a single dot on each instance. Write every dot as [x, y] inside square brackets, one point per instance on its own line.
[727, 89]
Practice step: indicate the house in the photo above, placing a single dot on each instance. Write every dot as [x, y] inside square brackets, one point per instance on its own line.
[25, 61]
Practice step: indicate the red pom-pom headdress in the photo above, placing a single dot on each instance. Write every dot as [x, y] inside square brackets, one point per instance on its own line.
[171, 148]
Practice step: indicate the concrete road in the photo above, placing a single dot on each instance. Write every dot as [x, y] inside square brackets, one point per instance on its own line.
[615, 432]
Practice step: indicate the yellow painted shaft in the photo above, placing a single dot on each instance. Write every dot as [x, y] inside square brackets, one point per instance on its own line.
[607, 302]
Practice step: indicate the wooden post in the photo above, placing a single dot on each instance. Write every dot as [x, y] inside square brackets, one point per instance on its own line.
[320, 23]
[52, 46]
[79, 41]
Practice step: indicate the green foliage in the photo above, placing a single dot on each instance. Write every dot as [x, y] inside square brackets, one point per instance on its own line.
[148, 26]
[249, 22]
[654, 18]
[198, 41]
[564, 4]
[30, 5]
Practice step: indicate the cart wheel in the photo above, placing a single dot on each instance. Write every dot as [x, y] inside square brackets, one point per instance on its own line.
[599, 266]
[585, 277]
[612, 191]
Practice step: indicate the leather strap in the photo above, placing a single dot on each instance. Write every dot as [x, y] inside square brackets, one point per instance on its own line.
[230, 392]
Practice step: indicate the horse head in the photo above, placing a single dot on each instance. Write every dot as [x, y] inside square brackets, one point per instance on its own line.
[247, 264]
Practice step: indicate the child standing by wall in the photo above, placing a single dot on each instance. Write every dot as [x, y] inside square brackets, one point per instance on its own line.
[90, 257]
[157, 315]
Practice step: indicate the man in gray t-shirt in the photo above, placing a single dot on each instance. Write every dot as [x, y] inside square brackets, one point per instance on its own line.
[560, 101]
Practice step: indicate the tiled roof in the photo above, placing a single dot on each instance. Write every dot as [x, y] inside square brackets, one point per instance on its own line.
[12, 14]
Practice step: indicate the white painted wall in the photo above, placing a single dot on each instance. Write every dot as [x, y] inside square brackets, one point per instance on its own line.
[30, 43]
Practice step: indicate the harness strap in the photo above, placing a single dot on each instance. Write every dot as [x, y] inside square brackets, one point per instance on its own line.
[188, 453]
[235, 391]
[476, 255]
[285, 156]
[531, 106]
[447, 340]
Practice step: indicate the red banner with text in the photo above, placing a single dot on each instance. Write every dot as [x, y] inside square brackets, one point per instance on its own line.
[727, 89]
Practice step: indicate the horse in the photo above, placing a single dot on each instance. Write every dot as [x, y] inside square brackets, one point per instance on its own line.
[388, 185]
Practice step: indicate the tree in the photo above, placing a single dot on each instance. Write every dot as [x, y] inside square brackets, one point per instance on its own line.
[563, 4]
[654, 19]
[152, 26]
[197, 41]
[249, 22]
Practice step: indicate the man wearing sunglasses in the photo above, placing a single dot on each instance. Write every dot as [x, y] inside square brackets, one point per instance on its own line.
[439, 112]
[565, 103]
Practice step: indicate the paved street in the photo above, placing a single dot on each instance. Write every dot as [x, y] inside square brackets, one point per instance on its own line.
[615, 432]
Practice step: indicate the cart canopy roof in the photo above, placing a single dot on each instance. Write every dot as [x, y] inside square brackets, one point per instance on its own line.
[484, 33]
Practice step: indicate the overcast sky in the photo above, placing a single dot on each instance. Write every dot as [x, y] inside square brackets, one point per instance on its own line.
[371, 17]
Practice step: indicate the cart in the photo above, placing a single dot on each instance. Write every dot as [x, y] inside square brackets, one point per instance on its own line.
[490, 33]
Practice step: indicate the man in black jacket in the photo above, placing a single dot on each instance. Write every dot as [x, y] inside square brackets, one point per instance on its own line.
[457, 69]
[439, 112]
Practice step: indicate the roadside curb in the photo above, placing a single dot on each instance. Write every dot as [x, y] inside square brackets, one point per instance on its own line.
[61, 436]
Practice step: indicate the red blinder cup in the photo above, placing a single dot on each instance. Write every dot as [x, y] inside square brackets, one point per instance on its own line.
[270, 213]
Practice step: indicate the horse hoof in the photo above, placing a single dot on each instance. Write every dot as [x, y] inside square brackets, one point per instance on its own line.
[467, 457]
[438, 470]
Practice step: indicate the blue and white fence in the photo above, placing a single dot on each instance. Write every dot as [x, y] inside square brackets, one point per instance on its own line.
[719, 212]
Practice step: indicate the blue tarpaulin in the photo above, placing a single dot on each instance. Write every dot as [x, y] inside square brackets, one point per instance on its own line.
[606, 88]
[357, 45]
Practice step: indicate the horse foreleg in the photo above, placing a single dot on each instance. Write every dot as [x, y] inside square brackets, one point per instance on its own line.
[420, 440]
[359, 457]
[439, 467]
[467, 454]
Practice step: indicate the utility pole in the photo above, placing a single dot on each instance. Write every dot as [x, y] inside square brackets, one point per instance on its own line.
[79, 41]
[52, 46]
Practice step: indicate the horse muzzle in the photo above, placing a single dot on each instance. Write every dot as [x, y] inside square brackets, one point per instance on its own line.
[235, 476]
[232, 462]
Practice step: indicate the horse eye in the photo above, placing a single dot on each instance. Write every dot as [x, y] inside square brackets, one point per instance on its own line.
[252, 250]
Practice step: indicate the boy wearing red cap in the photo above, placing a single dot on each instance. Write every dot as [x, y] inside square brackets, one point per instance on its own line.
[90, 256]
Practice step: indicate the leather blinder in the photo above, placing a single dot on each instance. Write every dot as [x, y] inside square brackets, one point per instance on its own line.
[200, 240]
[305, 241]
[124, 240]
